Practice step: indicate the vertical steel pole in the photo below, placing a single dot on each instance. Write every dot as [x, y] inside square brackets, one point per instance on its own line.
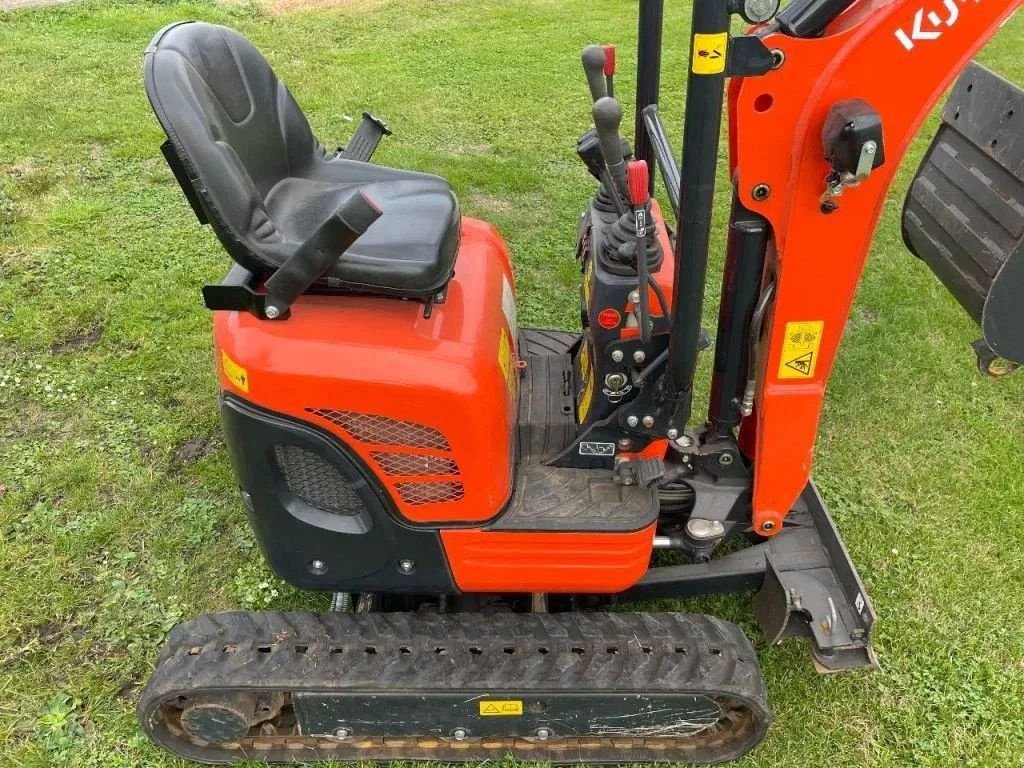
[648, 76]
[705, 96]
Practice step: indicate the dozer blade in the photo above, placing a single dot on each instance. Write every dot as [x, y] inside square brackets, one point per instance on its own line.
[562, 688]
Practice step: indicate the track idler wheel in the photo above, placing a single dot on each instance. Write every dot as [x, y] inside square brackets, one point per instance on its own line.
[223, 717]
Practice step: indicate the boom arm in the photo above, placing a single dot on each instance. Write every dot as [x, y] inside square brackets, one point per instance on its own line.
[898, 56]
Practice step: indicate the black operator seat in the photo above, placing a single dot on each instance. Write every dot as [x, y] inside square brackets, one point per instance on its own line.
[264, 181]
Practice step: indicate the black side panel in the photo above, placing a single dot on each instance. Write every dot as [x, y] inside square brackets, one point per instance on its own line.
[964, 215]
[319, 515]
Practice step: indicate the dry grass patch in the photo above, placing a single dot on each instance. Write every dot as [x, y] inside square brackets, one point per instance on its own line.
[281, 7]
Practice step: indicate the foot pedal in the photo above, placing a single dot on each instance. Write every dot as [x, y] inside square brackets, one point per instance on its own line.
[964, 214]
[365, 140]
[642, 472]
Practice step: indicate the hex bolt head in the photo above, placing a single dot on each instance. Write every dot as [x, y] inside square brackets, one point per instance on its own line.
[407, 566]
[318, 567]
[459, 734]
[634, 297]
[684, 441]
[617, 356]
[272, 312]
[639, 356]
[632, 421]
[648, 421]
[625, 444]
[758, 11]
[725, 459]
[342, 733]
[543, 733]
[673, 433]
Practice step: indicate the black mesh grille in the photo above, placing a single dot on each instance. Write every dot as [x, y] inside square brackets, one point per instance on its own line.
[316, 481]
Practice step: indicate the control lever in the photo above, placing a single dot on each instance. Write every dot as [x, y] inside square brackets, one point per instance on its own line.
[638, 176]
[607, 119]
[609, 69]
[594, 62]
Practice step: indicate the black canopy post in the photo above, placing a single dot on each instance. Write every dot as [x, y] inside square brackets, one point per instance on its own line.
[705, 97]
[648, 76]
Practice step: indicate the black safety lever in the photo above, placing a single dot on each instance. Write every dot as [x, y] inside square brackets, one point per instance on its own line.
[366, 139]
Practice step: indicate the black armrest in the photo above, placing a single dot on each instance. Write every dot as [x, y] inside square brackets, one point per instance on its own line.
[315, 256]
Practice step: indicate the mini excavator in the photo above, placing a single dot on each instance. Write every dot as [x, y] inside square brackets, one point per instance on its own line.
[487, 503]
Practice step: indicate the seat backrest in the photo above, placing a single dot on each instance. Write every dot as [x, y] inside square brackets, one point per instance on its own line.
[234, 127]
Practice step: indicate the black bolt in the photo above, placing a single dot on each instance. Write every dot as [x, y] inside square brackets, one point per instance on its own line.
[829, 206]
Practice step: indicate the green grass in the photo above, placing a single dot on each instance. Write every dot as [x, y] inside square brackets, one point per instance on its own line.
[117, 510]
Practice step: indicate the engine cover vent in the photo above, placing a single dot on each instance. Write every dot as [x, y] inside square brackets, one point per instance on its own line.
[414, 465]
[415, 494]
[383, 430]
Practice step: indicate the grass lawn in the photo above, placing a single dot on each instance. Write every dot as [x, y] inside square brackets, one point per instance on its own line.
[118, 515]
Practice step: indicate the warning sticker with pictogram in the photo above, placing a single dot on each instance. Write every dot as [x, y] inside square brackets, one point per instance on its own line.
[800, 349]
[234, 373]
[709, 53]
[501, 708]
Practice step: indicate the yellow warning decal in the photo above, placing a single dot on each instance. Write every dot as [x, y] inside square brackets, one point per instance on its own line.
[800, 350]
[587, 374]
[501, 708]
[235, 373]
[507, 363]
[588, 278]
[709, 53]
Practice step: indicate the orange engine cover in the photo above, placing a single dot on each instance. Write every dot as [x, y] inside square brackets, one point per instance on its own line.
[427, 403]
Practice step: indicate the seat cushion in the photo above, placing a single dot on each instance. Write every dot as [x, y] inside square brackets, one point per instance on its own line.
[266, 184]
[410, 249]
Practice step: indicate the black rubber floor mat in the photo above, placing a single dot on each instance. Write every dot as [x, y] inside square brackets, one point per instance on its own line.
[547, 421]
[559, 499]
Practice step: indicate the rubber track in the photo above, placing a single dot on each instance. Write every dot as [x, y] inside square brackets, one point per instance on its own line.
[653, 652]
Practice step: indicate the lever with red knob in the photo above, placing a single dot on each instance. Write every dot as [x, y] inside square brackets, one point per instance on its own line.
[609, 68]
[638, 180]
